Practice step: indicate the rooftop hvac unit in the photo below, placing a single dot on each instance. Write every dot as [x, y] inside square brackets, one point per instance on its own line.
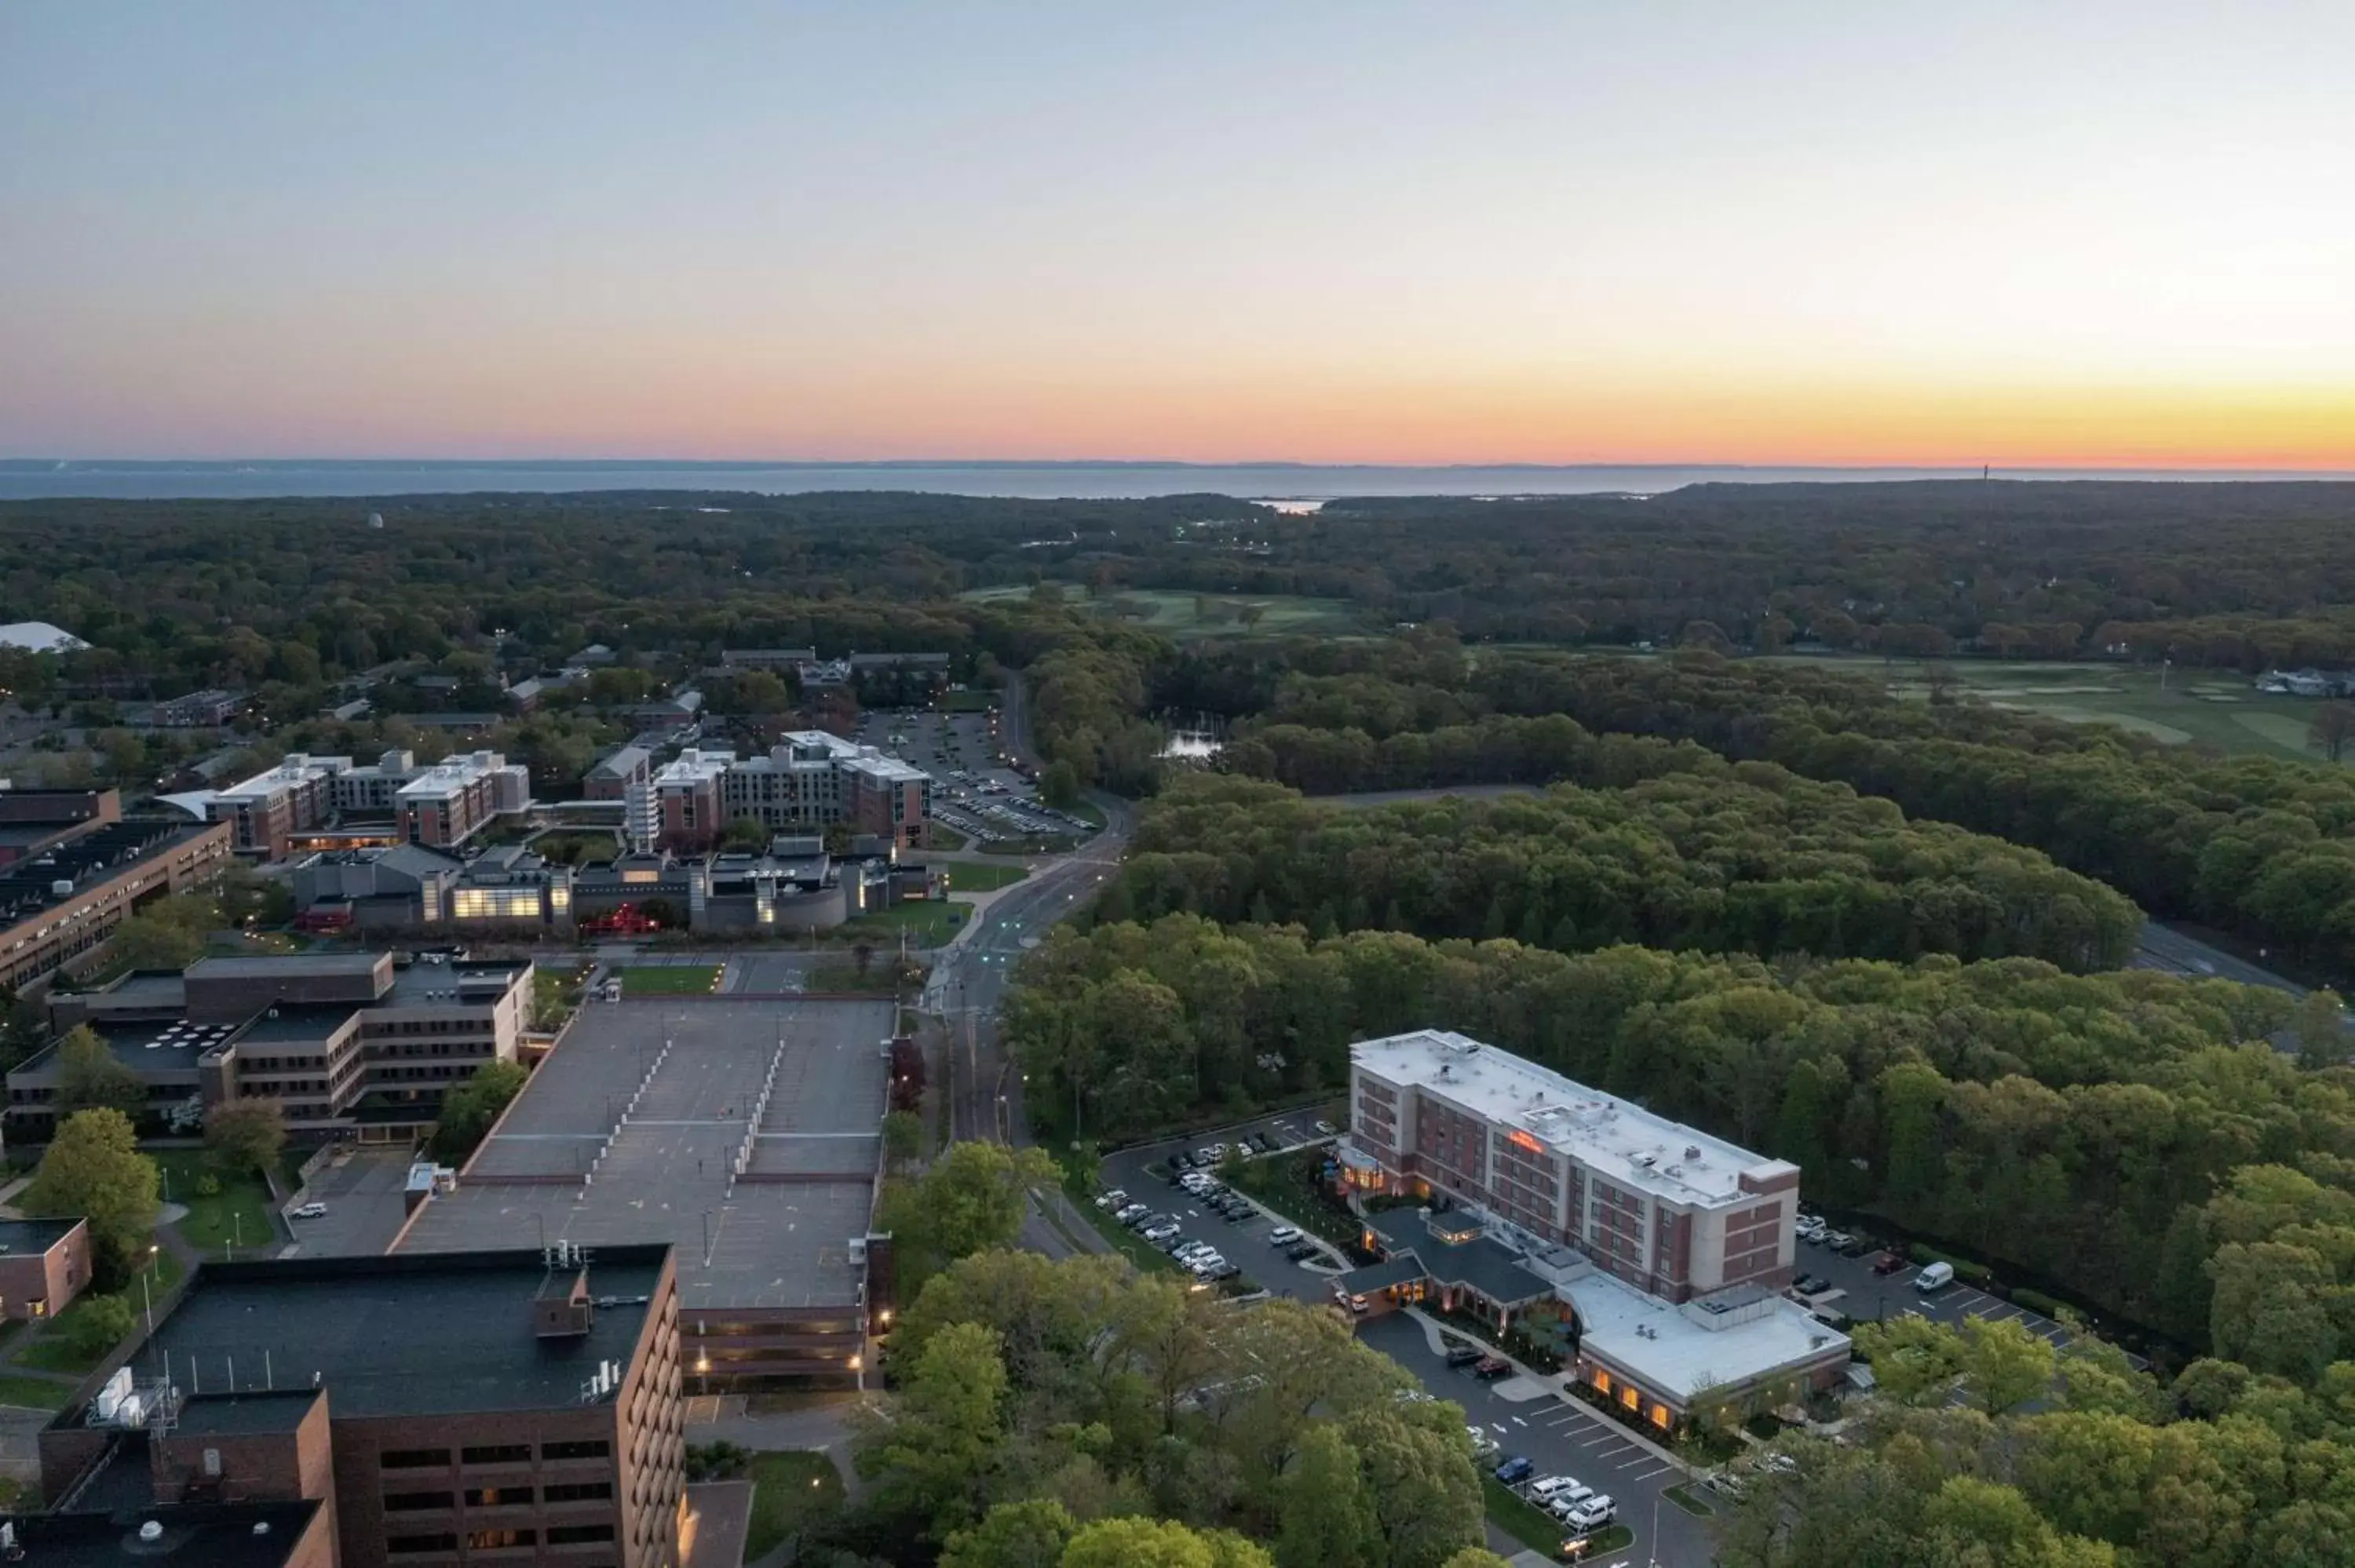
[61, 888]
[858, 1249]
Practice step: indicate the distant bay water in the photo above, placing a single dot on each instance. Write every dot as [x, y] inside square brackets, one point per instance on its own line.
[30, 479]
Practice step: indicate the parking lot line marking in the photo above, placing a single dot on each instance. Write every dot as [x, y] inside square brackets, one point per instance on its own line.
[1519, 1422]
[1655, 1470]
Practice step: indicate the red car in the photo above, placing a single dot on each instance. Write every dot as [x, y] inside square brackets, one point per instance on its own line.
[1491, 1367]
[1888, 1263]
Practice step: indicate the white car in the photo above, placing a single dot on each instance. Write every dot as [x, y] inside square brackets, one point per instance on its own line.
[1325, 1129]
[1206, 1264]
[1160, 1232]
[1563, 1504]
[1592, 1515]
[1545, 1488]
[1283, 1234]
[1203, 1156]
[1112, 1200]
[1185, 1252]
[311, 1211]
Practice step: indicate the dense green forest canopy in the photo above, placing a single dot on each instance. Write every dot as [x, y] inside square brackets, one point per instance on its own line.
[1670, 846]
[2078, 1127]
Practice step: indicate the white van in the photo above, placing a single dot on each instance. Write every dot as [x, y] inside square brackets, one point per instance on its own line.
[1936, 1276]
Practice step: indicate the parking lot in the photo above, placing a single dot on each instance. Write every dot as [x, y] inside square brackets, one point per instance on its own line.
[974, 789]
[364, 1190]
[1557, 1436]
[1867, 1297]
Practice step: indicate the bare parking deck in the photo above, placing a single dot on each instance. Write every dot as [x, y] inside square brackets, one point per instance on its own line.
[745, 1133]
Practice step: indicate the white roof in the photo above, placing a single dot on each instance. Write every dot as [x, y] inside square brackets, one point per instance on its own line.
[1617, 1139]
[453, 774]
[39, 637]
[297, 767]
[1752, 1335]
[693, 766]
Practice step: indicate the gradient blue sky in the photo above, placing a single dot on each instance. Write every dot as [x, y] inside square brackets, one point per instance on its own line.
[2083, 233]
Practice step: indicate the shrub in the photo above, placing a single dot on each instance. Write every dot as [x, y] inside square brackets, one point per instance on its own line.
[1964, 1270]
[100, 1325]
[2037, 1301]
[208, 1185]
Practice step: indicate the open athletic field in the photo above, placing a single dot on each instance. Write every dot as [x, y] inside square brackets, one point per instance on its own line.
[1187, 616]
[2220, 706]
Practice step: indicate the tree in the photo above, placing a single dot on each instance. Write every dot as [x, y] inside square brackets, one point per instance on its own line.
[468, 1110]
[974, 1196]
[903, 1136]
[99, 1323]
[88, 1074]
[246, 1135]
[1914, 1361]
[93, 1168]
[1030, 1534]
[2320, 1026]
[1059, 785]
[2332, 727]
[745, 835]
[1328, 1518]
[934, 1457]
[2003, 1365]
[150, 942]
[1159, 1543]
[1419, 1473]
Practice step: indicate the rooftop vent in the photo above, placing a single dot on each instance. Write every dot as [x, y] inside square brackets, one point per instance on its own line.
[151, 1532]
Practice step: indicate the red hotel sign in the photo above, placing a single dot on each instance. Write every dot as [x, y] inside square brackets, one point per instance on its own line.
[1520, 1139]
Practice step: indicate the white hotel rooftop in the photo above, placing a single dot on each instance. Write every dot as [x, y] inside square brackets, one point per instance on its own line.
[1616, 1139]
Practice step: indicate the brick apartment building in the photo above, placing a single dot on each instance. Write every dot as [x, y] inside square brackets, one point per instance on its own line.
[77, 878]
[346, 1042]
[814, 780]
[440, 1411]
[1669, 1209]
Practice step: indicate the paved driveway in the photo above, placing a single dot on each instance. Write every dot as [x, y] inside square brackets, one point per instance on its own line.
[363, 1193]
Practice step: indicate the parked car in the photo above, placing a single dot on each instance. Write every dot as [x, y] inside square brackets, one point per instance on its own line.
[1223, 1271]
[1129, 1213]
[1836, 1239]
[1204, 1156]
[1283, 1235]
[1490, 1367]
[1462, 1355]
[1812, 1228]
[1112, 1200]
[1483, 1445]
[1936, 1276]
[1568, 1504]
[1810, 1284]
[1516, 1468]
[1188, 1249]
[1162, 1232]
[1888, 1263]
[1857, 1247]
[1325, 1128]
[1181, 1162]
[311, 1211]
[1303, 1250]
[1592, 1514]
[1545, 1488]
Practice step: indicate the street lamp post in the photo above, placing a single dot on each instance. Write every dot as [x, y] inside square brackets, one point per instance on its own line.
[148, 1298]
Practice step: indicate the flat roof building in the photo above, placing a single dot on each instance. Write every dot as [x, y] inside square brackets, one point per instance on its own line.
[349, 1042]
[65, 899]
[746, 1134]
[442, 1410]
[813, 778]
[44, 1264]
[1667, 1208]
[1669, 1247]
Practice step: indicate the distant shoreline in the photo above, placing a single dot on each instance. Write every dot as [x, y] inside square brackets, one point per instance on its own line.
[262, 479]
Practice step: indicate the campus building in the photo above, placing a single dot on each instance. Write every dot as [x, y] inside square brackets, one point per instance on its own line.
[1669, 1209]
[418, 1412]
[441, 804]
[44, 1264]
[83, 870]
[745, 1133]
[1654, 1253]
[812, 779]
[346, 1043]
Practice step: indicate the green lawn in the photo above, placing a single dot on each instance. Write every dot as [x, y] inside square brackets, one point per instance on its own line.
[1520, 1518]
[1687, 1499]
[668, 979]
[971, 876]
[790, 1493]
[2219, 706]
[926, 922]
[945, 837]
[556, 990]
[238, 1215]
[51, 1352]
[1187, 616]
[877, 979]
[33, 1393]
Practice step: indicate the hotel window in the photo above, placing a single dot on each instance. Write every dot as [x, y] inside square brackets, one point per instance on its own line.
[1629, 1397]
[445, 1542]
[1660, 1416]
[412, 1459]
[409, 1503]
[494, 904]
[492, 1539]
[499, 1454]
[566, 1534]
[497, 1497]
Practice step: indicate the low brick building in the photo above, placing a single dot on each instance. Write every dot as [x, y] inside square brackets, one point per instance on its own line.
[44, 1264]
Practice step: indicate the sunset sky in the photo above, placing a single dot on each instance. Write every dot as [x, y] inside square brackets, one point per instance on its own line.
[2023, 233]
